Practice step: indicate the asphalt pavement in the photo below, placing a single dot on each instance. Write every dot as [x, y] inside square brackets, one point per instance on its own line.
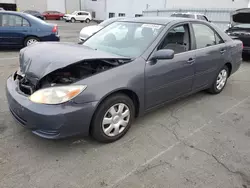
[200, 141]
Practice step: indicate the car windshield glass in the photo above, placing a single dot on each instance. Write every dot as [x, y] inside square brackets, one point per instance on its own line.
[242, 26]
[126, 39]
[107, 22]
[74, 13]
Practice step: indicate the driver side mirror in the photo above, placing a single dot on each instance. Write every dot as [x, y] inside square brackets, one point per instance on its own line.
[163, 54]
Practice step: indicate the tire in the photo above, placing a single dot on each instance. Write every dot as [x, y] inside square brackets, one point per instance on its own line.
[87, 20]
[73, 20]
[30, 40]
[98, 125]
[216, 88]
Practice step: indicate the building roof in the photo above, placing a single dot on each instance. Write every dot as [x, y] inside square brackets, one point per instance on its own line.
[155, 20]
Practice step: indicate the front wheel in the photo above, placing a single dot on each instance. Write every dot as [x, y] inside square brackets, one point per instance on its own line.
[220, 82]
[113, 118]
[73, 20]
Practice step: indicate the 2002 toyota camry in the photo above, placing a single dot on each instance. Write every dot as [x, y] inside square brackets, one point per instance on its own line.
[123, 71]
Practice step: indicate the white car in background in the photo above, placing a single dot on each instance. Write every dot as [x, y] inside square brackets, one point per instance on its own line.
[81, 16]
[90, 30]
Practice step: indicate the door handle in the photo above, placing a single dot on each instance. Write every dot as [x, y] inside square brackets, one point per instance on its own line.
[222, 51]
[190, 61]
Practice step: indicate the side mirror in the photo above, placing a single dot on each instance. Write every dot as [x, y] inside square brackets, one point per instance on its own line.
[163, 54]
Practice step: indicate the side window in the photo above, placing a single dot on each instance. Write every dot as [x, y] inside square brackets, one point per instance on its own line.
[205, 36]
[13, 21]
[177, 39]
[200, 17]
[85, 14]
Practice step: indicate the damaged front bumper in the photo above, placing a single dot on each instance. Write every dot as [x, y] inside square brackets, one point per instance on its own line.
[49, 121]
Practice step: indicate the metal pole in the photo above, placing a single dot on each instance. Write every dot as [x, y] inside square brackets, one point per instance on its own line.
[80, 4]
[65, 3]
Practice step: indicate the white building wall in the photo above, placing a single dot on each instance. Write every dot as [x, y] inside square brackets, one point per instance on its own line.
[207, 4]
[98, 6]
[8, 1]
[72, 5]
[56, 5]
[132, 7]
[39, 5]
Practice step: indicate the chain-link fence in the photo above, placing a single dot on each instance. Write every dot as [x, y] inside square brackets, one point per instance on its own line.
[220, 17]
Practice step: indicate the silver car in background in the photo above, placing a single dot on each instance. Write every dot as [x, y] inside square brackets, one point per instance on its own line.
[88, 31]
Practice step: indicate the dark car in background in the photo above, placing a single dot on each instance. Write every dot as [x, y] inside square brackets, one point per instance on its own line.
[123, 71]
[240, 27]
[34, 13]
[53, 15]
[20, 29]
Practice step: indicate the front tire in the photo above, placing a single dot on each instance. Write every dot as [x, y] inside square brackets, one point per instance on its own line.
[113, 118]
[220, 81]
[73, 20]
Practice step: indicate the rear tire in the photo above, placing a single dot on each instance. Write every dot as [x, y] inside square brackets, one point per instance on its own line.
[220, 81]
[119, 112]
[30, 40]
[87, 20]
[73, 20]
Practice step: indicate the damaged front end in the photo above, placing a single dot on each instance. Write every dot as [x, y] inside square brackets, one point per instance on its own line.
[67, 75]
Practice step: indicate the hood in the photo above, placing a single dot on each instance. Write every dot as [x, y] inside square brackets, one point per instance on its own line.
[38, 60]
[240, 16]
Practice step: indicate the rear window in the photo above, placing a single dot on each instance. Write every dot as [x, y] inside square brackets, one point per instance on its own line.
[183, 15]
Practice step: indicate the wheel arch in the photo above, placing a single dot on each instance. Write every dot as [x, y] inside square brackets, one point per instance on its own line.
[29, 36]
[229, 66]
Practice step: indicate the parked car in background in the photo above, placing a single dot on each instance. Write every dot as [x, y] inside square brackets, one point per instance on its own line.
[81, 16]
[21, 29]
[240, 27]
[34, 13]
[190, 15]
[88, 31]
[123, 71]
[53, 15]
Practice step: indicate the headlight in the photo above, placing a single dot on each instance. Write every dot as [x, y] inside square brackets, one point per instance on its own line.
[56, 95]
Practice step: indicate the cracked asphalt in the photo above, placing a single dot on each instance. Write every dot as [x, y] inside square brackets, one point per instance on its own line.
[200, 141]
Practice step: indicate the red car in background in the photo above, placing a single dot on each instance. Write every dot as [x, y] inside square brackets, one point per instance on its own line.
[53, 15]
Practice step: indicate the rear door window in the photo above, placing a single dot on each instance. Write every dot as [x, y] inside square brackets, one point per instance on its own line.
[8, 20]
[205, 36]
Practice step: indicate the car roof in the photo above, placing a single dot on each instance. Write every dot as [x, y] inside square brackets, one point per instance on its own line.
[13, 12]
[157, 20]
[190, 13]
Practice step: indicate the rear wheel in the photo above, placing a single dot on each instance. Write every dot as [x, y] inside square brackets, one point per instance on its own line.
[87, 20]
[73, 20]
[220, 81]
[30, 40]
[113, 118]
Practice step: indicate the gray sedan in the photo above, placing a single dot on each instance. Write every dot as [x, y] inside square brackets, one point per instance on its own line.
[123, 71]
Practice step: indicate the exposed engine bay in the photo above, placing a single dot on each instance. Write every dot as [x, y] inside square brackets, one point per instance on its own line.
[68, 75]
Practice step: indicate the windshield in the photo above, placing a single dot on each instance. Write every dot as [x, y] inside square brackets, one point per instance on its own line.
[75, 12]
[242, 26]
[126, 39]
[108, 21]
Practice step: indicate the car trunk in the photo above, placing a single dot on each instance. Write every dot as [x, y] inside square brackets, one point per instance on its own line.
[240, 25]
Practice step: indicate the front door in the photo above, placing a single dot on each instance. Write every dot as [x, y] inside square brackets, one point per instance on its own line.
[170, 79]
[210, 54]
[13, 29]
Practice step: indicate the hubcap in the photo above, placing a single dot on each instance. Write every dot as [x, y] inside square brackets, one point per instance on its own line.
[221, 79]
[116, 119]
[31, 41]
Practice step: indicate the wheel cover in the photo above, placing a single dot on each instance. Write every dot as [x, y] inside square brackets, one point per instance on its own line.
[116, 120]
[31, 41]
[221, 79]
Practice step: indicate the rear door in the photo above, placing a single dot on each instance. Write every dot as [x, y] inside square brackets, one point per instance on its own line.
[210, 54]
[13, 29]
